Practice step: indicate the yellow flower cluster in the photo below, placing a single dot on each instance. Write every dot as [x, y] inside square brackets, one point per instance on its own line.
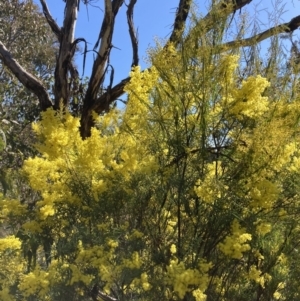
[183, 280]
[67, 160]
[35, 283]
[256, 275]
[12, 266]
[78, 276]
[199, 295]
[235, 244]
[247, 100]
[138, 89]
[10, 243]
[5, 294]
[209, 189]
[263, 228]
[263, 194]
[9, 207]
[142, 282]
[134, 263]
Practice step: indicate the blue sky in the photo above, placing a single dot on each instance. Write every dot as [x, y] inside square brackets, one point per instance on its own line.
[152, 18]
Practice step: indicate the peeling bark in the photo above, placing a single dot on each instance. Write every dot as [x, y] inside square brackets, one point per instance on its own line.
[66, 54]
[98, 72]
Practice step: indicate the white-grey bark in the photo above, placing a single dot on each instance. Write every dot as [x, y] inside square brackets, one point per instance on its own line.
[66, 53]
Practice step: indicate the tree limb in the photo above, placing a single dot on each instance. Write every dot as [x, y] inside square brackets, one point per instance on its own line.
[106, 297]
[58, 32]
[282, 28]
[96, 292]
[98, 72]
[132, 32]
[105, 36]
[180, 19]
[99, 106]
[55, 28]
[66, 53]
[26, 78]
[237, 4]
[103, 102]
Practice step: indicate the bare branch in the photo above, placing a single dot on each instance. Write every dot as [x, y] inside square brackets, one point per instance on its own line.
[106, 297]
[181, 16]
[70, 19]
[223, 9]
[237, 4]
[106, 99]
[98, 72]
[66, 53]
[101, 105]
[27, 79]
[55, 28]
[282, 28]
[133, 36]
[106, 33]
[95, 293]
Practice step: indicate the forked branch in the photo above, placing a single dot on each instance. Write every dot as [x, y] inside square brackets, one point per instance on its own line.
[98, 72]
[105, 41]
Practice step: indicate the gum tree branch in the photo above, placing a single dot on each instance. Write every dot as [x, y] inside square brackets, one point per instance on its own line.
[96, 293]
[105, 41]
[103, 102]
[132, 33]
[58, 33]
[55, 28]
[282, 28]
[27, 79]
[98, 71]
[180, 19]
[66, 53]
[105, 297]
